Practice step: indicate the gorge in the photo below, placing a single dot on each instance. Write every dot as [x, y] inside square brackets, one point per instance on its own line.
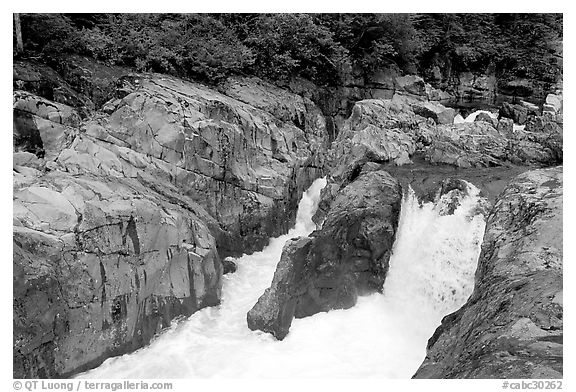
[167, 228]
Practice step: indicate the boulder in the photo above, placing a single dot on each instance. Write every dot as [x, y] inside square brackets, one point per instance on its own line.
[511, 327]
[520, 87]
[348, 257]
[436, 111]
[229, 266]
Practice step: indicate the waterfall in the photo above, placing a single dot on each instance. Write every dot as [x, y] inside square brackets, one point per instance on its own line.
[431, 274]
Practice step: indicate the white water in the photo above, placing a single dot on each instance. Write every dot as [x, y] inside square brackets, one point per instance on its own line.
[384, 335]
[472, 116]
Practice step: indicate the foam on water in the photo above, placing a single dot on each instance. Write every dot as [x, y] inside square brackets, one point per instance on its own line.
[384, 335]
[472, 116]
[458, 119]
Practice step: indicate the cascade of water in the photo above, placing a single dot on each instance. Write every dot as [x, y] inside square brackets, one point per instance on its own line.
[384, 335]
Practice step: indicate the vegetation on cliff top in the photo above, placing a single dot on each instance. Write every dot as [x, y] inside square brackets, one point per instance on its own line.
[319, 47]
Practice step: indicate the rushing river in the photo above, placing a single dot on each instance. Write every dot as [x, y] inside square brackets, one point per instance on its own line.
[431, 274]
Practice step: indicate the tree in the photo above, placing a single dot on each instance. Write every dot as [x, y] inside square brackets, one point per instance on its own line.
[18, 32]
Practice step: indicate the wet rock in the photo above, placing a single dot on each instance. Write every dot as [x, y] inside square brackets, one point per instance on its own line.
[348, 257]
[94, 79]
[468, 85]
[426, 179]
[512, 325]
[229, 266]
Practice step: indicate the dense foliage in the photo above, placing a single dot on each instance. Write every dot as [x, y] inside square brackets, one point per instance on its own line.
[319, 47]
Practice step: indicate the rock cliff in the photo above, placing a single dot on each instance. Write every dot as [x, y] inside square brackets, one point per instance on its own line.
[122, 215]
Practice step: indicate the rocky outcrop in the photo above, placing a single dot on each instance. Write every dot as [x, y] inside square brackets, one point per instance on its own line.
[121, 220]
[511, 327]
[348, 257]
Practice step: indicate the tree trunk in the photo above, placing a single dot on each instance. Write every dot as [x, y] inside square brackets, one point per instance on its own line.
[19, 42]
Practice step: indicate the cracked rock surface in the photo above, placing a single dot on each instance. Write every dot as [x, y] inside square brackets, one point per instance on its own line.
[121, 219]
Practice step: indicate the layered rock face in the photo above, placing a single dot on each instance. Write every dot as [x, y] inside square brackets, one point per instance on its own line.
[121, 220]
[348, 257]
[511, 327]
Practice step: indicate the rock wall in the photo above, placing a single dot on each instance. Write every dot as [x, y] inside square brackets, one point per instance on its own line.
[512, 325]
[121, 219]
[247, 167]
